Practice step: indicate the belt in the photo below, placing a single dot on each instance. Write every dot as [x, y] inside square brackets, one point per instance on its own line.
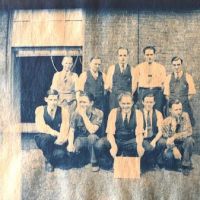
[150, 88]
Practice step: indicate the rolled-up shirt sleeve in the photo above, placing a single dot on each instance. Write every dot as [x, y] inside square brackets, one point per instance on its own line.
[81, 81]
[110, 129]
[54, 84]
[139, 119]
[159, 120]
[135, 78]
[191, 85]
[166, 85]
[40, 123]
[109, 77]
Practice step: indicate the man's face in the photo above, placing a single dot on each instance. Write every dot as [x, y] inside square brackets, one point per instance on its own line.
[52, 101]
[67, 63]
[95, 65]
[177, 66]
[176, 110]
[148, 103]
[84, 103]
[122, 56]
[126, 104]
[149, 56]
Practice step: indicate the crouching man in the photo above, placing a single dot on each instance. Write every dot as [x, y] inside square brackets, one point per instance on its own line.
[84, 126]
[125, 128]
[153, 120]
[50, 122]
[176, 142]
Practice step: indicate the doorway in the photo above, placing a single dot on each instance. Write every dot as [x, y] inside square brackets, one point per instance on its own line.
[33, 77]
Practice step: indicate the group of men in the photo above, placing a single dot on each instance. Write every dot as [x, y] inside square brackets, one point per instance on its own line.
[95, 113]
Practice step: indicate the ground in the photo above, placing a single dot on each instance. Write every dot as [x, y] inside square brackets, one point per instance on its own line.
[82, 184]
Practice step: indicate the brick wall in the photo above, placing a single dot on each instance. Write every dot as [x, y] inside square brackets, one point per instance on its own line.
[3, 44]
[171, 33]
[106, 32]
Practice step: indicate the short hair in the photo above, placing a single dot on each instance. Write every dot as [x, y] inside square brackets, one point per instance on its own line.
[87, 94]
[149, 47]
[174, 101]
[150, 94]
[51, 92]
[94, 57]
[67, 57]
[175, 58]
[120, 48]
[124, 94]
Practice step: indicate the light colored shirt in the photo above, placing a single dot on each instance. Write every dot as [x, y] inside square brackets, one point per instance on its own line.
[83, 77]
[149, 76]
[42, 126]
[109, 76]
[112, 119]
[189, 79]
[65, 83]
[159, 119]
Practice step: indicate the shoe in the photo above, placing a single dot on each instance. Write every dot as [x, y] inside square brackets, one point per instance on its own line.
[186, 171]
[95, 167]
[49, 167]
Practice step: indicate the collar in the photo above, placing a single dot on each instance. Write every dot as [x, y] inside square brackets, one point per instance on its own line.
[95, 75]
[179, 75]
[51, 111]
[145, 111]
[125, 65]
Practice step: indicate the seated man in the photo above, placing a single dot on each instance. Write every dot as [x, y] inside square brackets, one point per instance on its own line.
[125, 128]
[50, 122]
[84, 125]
[176, 142]
[152, 128]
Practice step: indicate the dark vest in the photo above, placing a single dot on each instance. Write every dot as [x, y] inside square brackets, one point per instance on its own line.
[53, 123]
[121, 81]
[154, 122]
[125, 133]
[95, 87]
[179, 88]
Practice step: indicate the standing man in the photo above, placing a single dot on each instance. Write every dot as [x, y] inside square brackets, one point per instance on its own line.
[180, 85]
[176, 142]
[125, 128]
[149, 76]
[50, 122]
[119, 78]
[153, 120]
[65, 82]
[84, 126]
[92, 81]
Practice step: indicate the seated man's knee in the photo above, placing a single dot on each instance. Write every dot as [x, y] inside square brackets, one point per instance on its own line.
[92, 138]
[59, 154]
[168, 154]
[189, 142]
[102, 144]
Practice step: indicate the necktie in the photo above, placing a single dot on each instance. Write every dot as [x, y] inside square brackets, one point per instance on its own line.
[177, 75]
[126, 121]
[148, 126]
[52, 113]
[123, 68]
[65, 78]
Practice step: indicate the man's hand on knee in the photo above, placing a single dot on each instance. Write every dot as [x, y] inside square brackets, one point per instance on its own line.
[70, 148]
[113, 151]
[176, 153]
[140, 150]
